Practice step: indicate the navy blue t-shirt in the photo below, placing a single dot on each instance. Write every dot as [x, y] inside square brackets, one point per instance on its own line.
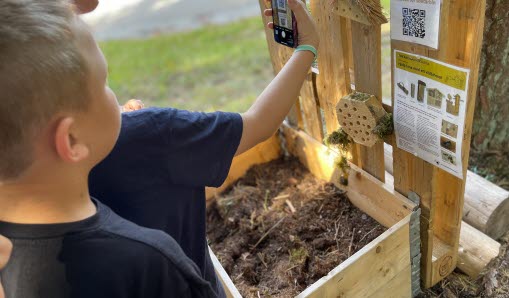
[157, 173]
[101, 256]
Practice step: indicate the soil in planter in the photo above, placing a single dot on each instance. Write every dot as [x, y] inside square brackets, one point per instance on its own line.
[279, 229]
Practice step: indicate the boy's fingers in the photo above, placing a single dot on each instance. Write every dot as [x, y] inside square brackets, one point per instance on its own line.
[268, 12]
[270, 25]
[85, 6]
[298, 8]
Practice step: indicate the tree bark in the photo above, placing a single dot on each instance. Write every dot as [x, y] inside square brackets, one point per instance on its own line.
[491, 128]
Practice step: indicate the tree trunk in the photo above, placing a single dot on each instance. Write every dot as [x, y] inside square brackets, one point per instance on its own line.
[491, 127]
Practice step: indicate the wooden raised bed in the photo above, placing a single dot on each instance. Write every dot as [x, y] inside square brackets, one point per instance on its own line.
[350, 53]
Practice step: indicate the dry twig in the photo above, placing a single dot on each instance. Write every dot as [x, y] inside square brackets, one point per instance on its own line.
[268, 232]
[351, 243]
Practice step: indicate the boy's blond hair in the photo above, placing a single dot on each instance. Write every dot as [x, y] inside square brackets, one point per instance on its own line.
[42, 73]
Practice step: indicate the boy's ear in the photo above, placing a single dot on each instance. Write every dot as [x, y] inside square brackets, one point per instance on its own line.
[68, 146]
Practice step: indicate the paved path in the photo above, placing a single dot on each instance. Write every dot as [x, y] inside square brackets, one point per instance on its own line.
[121, 19]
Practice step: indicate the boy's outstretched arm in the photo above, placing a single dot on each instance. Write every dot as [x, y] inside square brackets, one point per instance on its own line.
[270, 109]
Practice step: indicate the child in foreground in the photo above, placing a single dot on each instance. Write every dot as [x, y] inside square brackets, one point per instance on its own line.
[60, 120]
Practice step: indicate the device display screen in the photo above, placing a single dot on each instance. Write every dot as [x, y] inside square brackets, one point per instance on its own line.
[284, 25]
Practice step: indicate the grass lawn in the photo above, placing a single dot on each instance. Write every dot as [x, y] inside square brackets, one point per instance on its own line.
[214, 68]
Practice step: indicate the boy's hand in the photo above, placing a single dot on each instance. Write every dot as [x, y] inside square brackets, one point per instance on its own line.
[133, 105]
[85, 6]
[5, 253]
[308, 33]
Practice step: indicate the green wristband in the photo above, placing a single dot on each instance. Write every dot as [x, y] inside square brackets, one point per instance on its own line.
[306, 47]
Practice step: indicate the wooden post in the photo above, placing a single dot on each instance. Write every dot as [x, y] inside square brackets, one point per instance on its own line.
[442, 194]
[367, 57]
[486, 205]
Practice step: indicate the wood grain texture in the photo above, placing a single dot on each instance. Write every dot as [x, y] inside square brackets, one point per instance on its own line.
[312, 117]
[442, 194]
[367, 47]
[333, 82]
[475, 251]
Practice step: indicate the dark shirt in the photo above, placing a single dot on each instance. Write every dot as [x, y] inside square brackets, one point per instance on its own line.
[157, 173]
[102, 256]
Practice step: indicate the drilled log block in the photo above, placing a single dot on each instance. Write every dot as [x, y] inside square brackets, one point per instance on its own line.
[358, 114]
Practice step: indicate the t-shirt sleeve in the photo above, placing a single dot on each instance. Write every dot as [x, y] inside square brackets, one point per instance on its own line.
[192, 148]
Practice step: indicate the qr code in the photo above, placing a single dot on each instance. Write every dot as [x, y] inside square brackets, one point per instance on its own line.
[414, 21]
[281, 4]
[283, 22]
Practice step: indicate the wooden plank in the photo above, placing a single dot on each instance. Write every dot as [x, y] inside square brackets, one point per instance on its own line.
[486, 205]
[228, 286]
[382, 262]
[262, 153]
[398, 287]
[367, 56]
[442, 194]
[377, 199]
[333, 82]
[312, 119]
[279, 56]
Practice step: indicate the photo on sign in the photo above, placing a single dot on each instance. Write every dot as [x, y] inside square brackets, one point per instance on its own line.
[421, 91]
[402, 87]
[448, 158]
[435, 97]
[449, 129]
[448, 144]
[453, 104]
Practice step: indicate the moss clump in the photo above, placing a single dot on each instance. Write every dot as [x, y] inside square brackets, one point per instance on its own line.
[385, 126]
[298, 255]
[339, 138]
[359, 96]
[342, 164]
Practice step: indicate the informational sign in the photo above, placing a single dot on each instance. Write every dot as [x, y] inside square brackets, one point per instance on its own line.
[429, 109]
[416, 21]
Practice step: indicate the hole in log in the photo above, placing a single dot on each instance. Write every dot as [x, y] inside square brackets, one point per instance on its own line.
[369, 126]
[351, 124]
[364, 117]
[349, 115]
[358, 123]
[346, 106]
[340, 110]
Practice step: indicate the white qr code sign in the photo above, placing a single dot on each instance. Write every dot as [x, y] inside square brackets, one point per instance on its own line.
[416, 21]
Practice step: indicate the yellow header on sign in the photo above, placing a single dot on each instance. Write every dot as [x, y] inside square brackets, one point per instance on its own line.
[432, 70]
